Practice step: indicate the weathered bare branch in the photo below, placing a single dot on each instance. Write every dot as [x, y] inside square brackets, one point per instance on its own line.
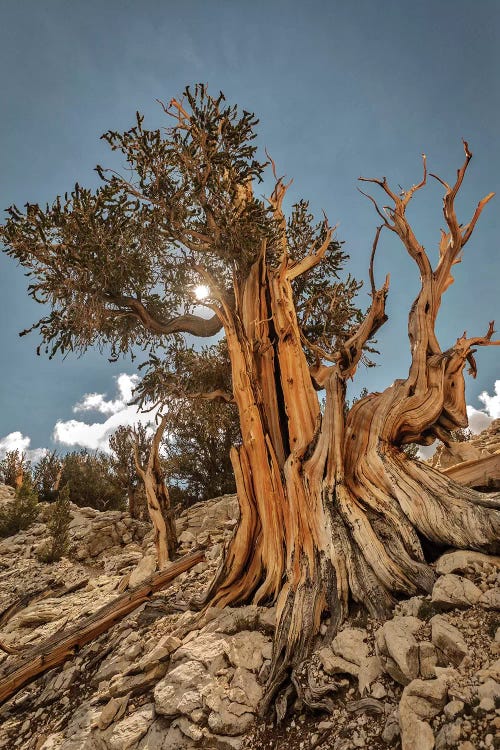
[377, 208]
[187, 323]
[375, 318]
[469, 228]
[372, 260]
[312, 259]
[408, 195]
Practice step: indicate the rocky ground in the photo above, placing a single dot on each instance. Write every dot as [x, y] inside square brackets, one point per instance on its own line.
[487, 442]
[168, 678]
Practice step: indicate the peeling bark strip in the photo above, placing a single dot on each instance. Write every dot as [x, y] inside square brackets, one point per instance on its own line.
[61, 646]
[330, 506]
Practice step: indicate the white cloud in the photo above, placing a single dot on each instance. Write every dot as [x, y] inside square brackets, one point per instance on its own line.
[17, 441]
[479, 419]
[97, 401]
[426, 451]
[492, 403]
[95, 436]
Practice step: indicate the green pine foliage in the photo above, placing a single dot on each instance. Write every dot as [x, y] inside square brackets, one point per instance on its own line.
[117, 265]
[91, 481]
[21, 512]
[12, 465]
[58, 520]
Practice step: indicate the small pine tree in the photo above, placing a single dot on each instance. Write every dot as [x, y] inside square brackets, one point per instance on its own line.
[21, 512]
[462, 435]
[13, 468]
[59, 517]
[47, 476]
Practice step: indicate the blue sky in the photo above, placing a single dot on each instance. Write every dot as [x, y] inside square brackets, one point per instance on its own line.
[342, 89]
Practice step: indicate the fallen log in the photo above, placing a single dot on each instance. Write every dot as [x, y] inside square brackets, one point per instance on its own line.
[479, 472]
[59, 647]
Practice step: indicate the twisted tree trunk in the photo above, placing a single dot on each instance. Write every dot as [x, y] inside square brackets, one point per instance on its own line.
[158, 498]
[330, 506]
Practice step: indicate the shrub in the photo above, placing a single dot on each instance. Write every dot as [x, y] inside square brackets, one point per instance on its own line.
[91, 481]
[13, 468]
[46, 476]
[58, 520]
[21, 512]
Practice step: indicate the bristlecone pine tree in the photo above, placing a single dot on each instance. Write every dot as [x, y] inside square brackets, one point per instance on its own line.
[331, 507]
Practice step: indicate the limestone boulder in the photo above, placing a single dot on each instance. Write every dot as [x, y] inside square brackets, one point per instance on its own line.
[143, 570]
[420, 702]
[490, 599]
[452, 591]
[351, 645]
[448, 640]
[460, 560]
[112, 711]
[333, 664]
[208, 648]
[179, 692]
[127, 733]
[248, 649]
[398, 648]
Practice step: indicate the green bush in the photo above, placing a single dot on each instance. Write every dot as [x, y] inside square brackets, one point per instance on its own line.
[14, 467]
[21, 512]
[58, 520]
[91, 481]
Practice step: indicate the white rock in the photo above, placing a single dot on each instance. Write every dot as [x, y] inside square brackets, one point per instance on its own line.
[425, 698]
[460, 560]
[333, 664]
[350, 645]
[144, 570]
[245, 649]
[489, 689]
[453, 709]
[490, 599]
[208, 648]
[455, 591]
[378, 690]
[127, 732]
[448, 641]
[165, 646]
[369, 671]
[162, 736]
[428, 659]
[187, 537]
[421, 701]
[223, 721]
[179, 691]
[398, 649]
[245, 681]
[112, 711]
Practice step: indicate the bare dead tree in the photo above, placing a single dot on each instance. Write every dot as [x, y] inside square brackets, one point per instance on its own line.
[157, 496]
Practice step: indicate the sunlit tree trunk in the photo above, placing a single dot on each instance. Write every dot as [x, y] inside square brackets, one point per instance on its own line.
[158, 499]
[330, 506]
